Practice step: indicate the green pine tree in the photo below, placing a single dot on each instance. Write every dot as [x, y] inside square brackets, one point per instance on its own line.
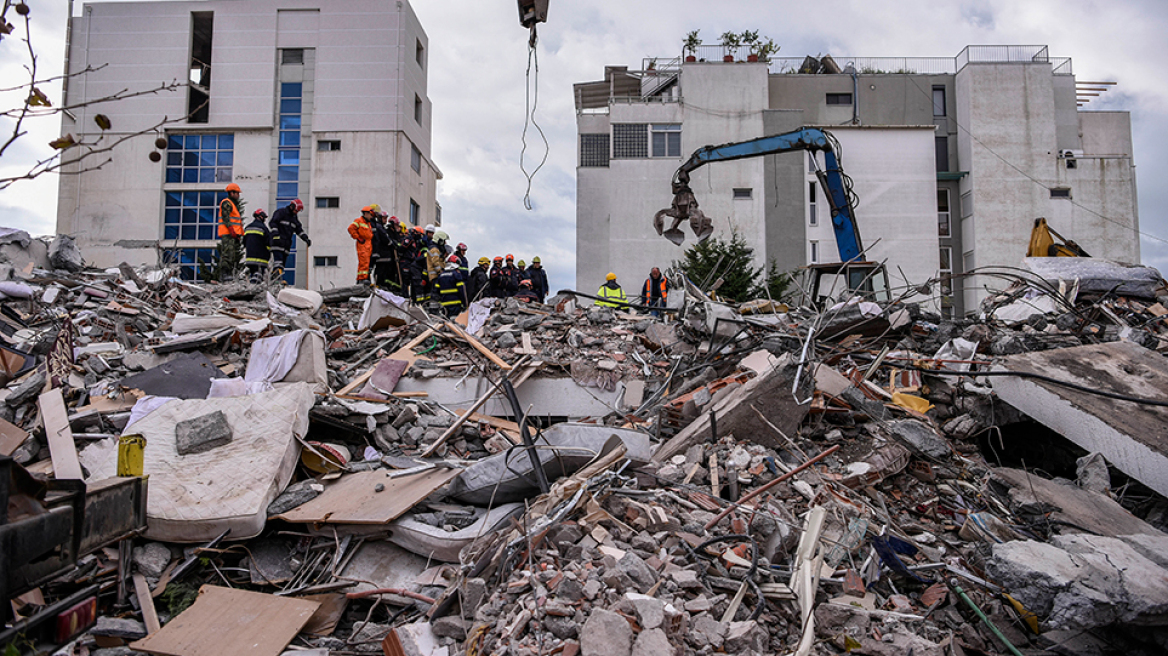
[731, 261]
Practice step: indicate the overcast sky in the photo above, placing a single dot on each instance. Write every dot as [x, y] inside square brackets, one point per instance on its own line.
[478, 60]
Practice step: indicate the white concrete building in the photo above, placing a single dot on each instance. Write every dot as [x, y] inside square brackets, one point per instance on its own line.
[952, 159]
[322, 100]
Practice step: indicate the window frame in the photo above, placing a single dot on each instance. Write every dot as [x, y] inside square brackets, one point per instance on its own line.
[415, 212]
[328, 145]
[1060, 193]
[942, 108]
[591, 154]
[328, 261]
[415, 159]
[670, 147]
[837, 99]
[630, 141]
[417, 109]
[813, 251]
[944, 229]
[743, 193]
[329, 202]
[420, 53]
[812, 204]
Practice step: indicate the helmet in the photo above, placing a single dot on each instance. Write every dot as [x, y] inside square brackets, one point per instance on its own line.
[297, 205]
[375, 207]
[462, 247]
[610, 276]
[260, 214]
[535, 260]
[233, 187]
[382, 215]
[393, 219]
[418, 229]
[524, 283]
[367, 208]
[430, 227]
[521, 264]
[510, 257]
[498, 258]
[441, 236]
[484, 260]
[454, 259]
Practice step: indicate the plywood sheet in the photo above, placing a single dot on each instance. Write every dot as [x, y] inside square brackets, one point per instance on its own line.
[226, 621]
[354, 498]
[60, 436]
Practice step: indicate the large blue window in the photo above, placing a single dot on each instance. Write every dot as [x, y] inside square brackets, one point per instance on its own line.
[191, 215]
[288, 168]
[199, 158]
[192, 262]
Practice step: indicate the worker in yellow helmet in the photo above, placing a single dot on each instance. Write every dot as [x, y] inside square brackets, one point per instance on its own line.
[611, 293]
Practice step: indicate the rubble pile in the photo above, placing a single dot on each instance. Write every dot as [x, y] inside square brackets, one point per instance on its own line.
[344, 472]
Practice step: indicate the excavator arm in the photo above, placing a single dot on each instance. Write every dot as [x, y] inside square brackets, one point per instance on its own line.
[685, 205]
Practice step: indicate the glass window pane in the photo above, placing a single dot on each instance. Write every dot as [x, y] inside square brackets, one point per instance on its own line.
[658, 144]
[226, 141]
[288, 157]
[207, 199]
[189, 216]
[290, 138]
[207, 214]
[190, 175]
[291, 90]
[174, 142]
[173, 199]
[208, 142]
[171, 232]
[191, 142]
[207, 158]
[191, 158]
[287, 190]
[172, 215]
[206, 232]
[223, 175]
[174, 175]
[190, 198]
[224, 158]
[189, 232]
[286, 173]
[674, 139]
[290, 106]
[289, 122]
[174, 159]
[206, 175]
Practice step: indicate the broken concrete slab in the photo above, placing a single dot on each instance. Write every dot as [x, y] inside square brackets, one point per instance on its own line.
[1129, 434]
[1070, 505]
[606, 633]
[202, 434]
[186, 376]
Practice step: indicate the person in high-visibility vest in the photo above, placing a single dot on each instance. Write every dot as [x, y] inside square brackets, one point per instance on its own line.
[612, 293]
[361, 230]
[655, 291]
[230, 232]
[257, 247]
[449, 289]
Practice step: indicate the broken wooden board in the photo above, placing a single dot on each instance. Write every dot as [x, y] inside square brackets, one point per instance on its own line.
[228, 621]
[66, 465]
[355, 499]
[11, 437]
[478, 346]
[508, 429]
[146, 602]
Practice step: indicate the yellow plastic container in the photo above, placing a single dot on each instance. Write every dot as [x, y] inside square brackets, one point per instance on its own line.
[131, 455]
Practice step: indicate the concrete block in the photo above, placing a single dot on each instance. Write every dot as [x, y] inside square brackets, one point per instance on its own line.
[202, 433]
[606, 633]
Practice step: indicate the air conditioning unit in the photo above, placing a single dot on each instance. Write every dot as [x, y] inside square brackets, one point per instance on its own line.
[1070, 154]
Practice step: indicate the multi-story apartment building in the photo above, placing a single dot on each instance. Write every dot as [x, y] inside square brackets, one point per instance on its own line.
[322, 100]
[952, 160]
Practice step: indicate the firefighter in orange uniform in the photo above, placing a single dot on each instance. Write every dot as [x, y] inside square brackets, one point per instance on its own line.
[361, 230]
[230, 232]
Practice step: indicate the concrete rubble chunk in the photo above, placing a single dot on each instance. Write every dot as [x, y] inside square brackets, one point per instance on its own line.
[635, 568]
[202, 434]
[151, 559]
[919, 437]
[652, 642]
[606, 633]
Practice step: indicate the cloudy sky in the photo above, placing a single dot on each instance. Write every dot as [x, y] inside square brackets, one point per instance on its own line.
[479, 61]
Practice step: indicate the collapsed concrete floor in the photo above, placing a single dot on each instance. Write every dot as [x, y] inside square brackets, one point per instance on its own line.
[349, 473]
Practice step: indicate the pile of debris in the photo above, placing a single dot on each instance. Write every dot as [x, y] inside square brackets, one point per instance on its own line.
[346, 472]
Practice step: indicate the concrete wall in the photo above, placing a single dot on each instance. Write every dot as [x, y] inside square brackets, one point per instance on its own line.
[365, 80]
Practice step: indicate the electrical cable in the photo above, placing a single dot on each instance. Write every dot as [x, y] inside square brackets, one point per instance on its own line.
[531, 102]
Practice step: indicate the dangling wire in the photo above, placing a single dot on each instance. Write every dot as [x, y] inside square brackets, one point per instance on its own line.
[532, 101]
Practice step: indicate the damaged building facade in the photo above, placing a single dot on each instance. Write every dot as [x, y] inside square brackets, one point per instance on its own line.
[953, 156]
[288, 99]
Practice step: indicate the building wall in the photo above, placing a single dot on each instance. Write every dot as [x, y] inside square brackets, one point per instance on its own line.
[361, 81]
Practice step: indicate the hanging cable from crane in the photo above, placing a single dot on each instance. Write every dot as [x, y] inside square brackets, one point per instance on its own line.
[531, 13]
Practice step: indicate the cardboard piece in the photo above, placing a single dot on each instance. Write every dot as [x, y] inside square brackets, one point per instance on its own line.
[66, 465]
[354, 498]
[227, 621]
[11, 437]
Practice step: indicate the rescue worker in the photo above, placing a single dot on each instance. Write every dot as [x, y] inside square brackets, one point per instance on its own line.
[526, 294]
[538, 277]
[384, 260]
[655, 291]
[436, 255]
[256, 246]
[419, 280]
[230, 232]
[521, 273]
[406, 248]
[497, 286]
[429, 234]
[361, 230]
[285, 227]
[463, 264]
[510, 277]
[449, 289]
[612, 293]
[476, 287]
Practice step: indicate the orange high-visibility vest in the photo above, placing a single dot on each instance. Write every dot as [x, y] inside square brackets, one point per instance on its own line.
[230, 223]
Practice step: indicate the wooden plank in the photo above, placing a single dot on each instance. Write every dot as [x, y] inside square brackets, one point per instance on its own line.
[354, 499]
[507, 429]
[11, 437]
[60, 436]
[146, 602]
[404, 353]
[227, 621]
[478, 346]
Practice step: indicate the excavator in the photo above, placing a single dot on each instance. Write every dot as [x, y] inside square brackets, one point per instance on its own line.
[1043, 244]
[867, 278]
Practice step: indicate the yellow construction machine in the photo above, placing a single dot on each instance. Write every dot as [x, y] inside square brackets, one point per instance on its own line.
[1043, 244]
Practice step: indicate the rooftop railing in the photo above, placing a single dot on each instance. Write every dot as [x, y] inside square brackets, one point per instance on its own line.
[894, 65]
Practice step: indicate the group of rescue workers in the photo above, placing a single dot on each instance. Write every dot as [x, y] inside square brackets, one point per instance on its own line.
[417, 263]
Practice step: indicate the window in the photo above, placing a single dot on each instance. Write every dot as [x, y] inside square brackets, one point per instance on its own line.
[417, 109]
[437, 214]
[328, 145]
[191, 215]
[420, 53]
[743, 194]
[813, 253]
[199, 91]
[415, 213]
[812, 205]
[839, 98]
[594, 150]
[199, 158]
[944, 228]
[942, 145]
[415, 159]
[292, 56]
[666, 140]
[938, 101]
[324, 260]
[325, 202]
[630, 140]
[1060, 192]
[191, 261]
[946, 259]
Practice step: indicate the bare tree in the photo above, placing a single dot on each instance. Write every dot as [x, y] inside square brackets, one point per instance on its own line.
[87, 153]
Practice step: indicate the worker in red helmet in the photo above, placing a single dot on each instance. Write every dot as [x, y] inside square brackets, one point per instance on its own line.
[496, 280]
[511, 276]
[449, 289]
[361, 230]
[463, 263]
[230, 232]
[526, 294]
[385, 242]
[257, 247]
[285, 226]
